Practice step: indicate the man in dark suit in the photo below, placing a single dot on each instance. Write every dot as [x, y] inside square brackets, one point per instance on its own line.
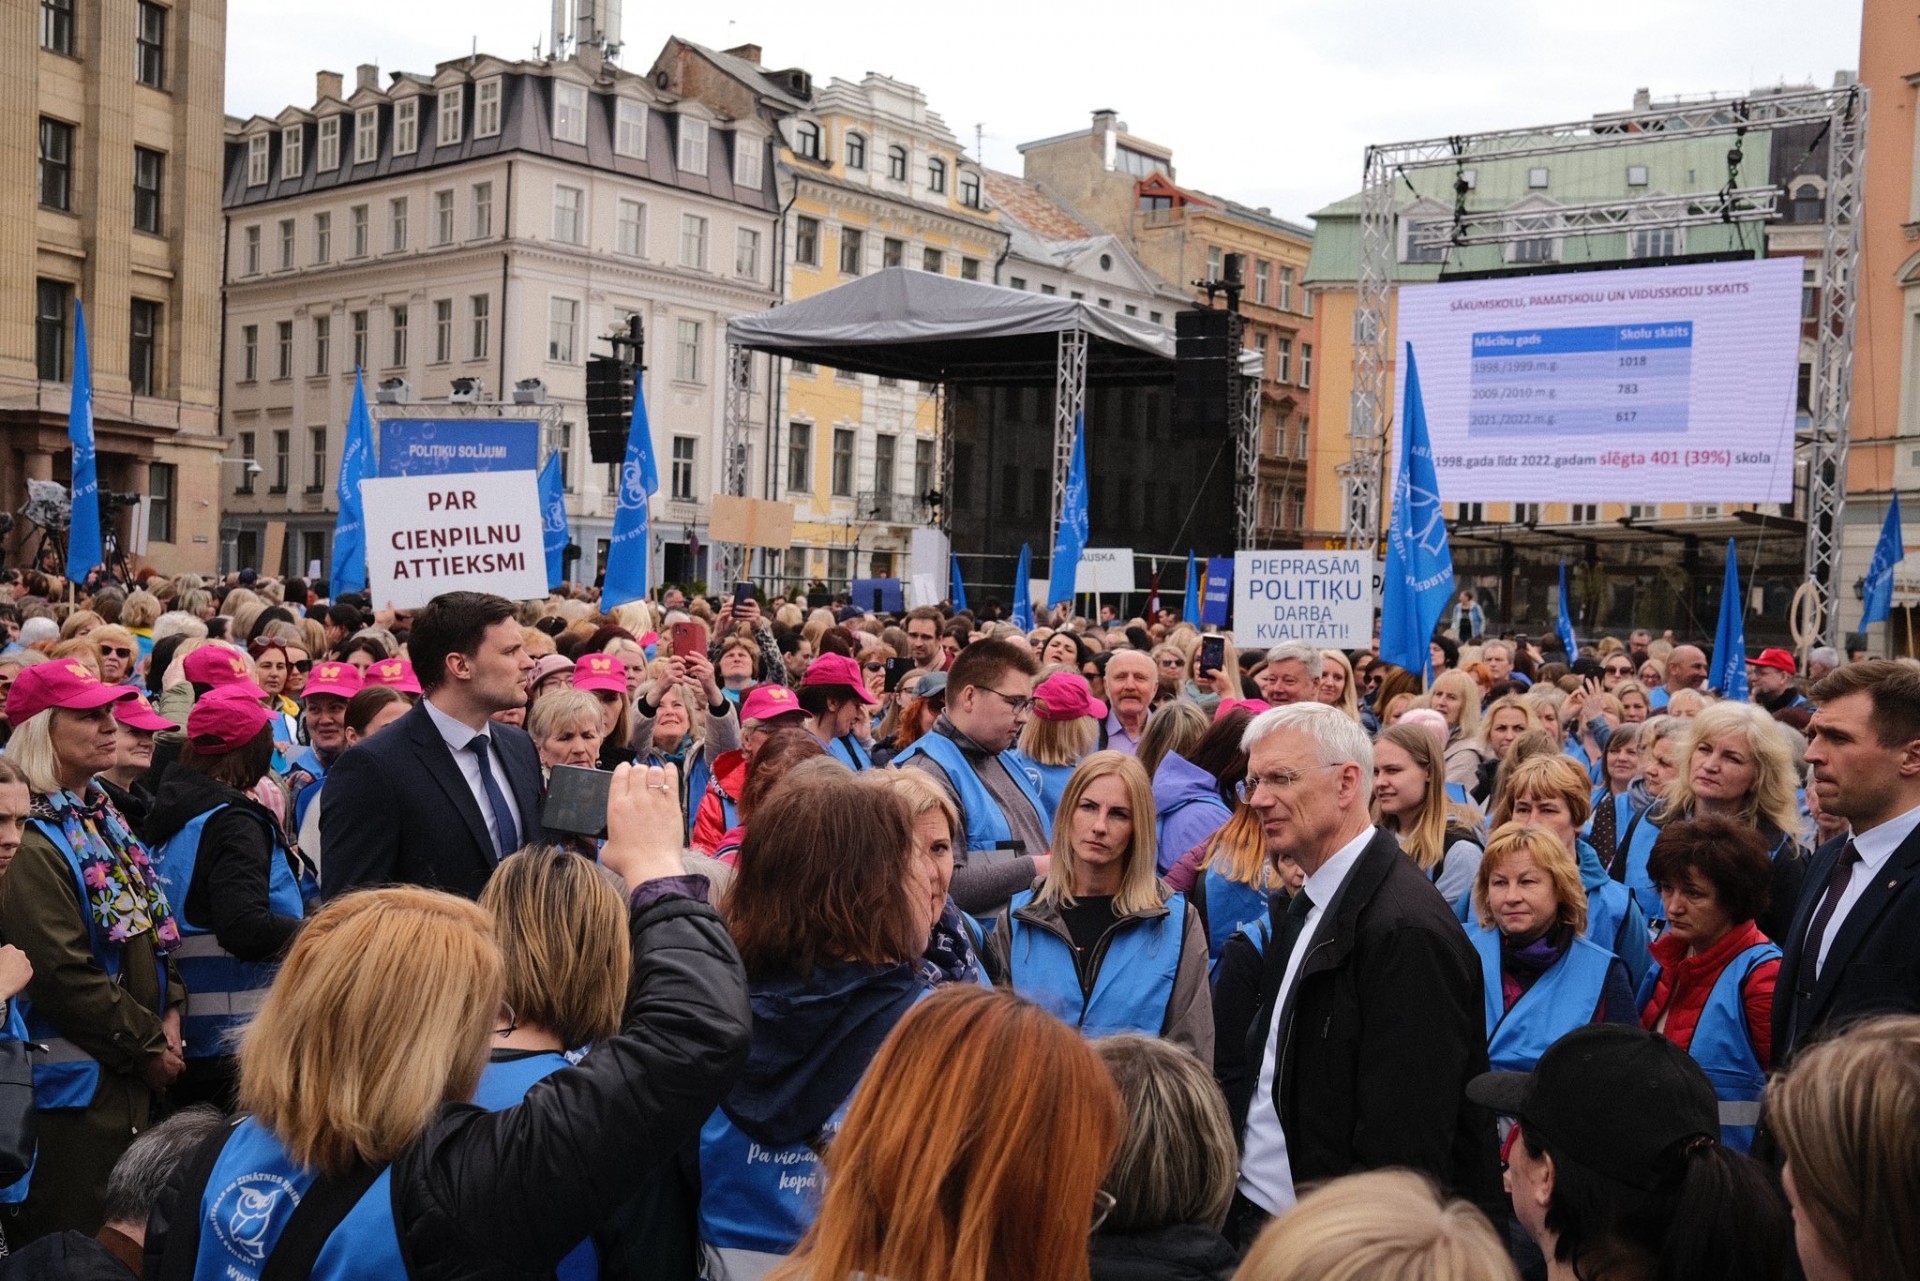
[1853, 949]
[442, 795]
[1371, 1020]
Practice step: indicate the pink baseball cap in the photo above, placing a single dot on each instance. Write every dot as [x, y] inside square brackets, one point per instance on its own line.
[61, 683]
[600, 671]
[342, 680]
[548, 665]
[768, 702]
[396, 673]
[1430, 720]
[1254, 707]
[225, 720]
[220, 665]
[838, 669]
[1066, 696]
[137, 713]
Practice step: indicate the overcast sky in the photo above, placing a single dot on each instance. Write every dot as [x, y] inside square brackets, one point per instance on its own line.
[1271, 103]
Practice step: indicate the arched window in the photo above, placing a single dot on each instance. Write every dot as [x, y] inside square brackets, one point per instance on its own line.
[937, 176]
[1808, 204]
[806, 139]
[897, 163]
[970, 189]
[856, 151]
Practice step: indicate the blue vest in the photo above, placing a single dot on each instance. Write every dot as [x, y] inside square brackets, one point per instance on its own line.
[223, 991]
[250, 1197]
[1458, 794]
[1050, 781]
[1230, 906]
[1638, 882]
[987, 826]
[1723, 1047]
[1132, 987]
[309, 761]
[848, 751]
[501, 1086]
[1562, 999]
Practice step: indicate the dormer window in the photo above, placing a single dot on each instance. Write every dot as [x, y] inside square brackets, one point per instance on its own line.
[937, 176]
[897, 163]
[970, 189]
[856, 151]
[806, 139]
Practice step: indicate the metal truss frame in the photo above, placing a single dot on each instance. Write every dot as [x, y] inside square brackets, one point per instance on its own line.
[730, 558]
[1501, 226]
[945, 408]
[1246, 460]
[550, 416]
[1843, 110]
[1069, 402]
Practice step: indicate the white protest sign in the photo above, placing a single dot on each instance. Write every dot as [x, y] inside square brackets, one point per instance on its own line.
[476, 532]
[926, 590]
[1324, 598]
[1104, 571]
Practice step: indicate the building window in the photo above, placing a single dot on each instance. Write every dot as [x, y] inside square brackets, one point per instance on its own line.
[564, 448]
[150, 46]
[450, 113]
[486, 108]
[1286, 289]
[479, 315]
[361, 329]
[316, 459]
[884, 465]
[293, 151]
[937, 176]
[283, 349]
[806, 139]
[1306, 364]
[842, 463]
[563, 320]
[1417, 246]
[932, 260]
[250, 251]
[631, 229]
[747, 165]
[1261, 267]
[56, 164]
[406, 126]
[366, 134]
[148, 168]
[357, 218]
[746, 253]
[683, 453]
[442, 330]
[569, 112]
[286, 242]
[1537, 178]
[1283, 360]
[1656, 242]
[839, 567]
[397, 224]
[282, 448]
[249, 454]
[693, 241]
[322, 345]
[163, 482]
[686, 353]
[970, 189]
[852, 248]
[892, 252]
[322, 237]
[567, 202]
[481, 223]
[56, 26]
[249, 353]
[923, 480]
[800, 456]
[1016, 282]
[143, 345]
[806, 241]
[897, 163]
[693, 145]
[1215, 262]
[1809, 205]
[327, 144]
[856, 151]
[397, 318]
[970, 270]
[443, 217]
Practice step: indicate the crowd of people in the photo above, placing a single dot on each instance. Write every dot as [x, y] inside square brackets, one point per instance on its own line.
[753, 937]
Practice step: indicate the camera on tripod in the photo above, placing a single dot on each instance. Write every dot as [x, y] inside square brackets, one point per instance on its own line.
[114, 500]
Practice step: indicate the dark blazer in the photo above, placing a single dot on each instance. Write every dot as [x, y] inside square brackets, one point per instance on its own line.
[1873, 966]
[396, 808]
[1383, 1031]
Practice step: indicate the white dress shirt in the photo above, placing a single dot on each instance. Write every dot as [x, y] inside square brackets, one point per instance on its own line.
[1876, 848]
[1266, 1175]
[457, 737]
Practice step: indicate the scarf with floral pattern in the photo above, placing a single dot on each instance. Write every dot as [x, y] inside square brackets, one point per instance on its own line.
[123, 893]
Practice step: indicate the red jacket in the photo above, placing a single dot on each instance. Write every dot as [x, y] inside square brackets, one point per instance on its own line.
[709, 821]
[1684, 983]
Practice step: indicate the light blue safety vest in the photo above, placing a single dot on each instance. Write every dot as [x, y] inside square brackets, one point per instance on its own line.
[1560, 1000]
[1457, 793]
[223, 991]
[1132, 987]
[1230, 906]
[250, 1197]
[309, 761]
[1049, 780]
[502, 1085]
[1639, 848]
[849, 751]
[987, 826]
[1723, 1047]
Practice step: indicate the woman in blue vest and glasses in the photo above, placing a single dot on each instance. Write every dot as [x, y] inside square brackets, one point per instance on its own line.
[1101, 942]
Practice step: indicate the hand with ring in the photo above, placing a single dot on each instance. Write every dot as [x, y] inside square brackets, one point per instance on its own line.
[644, 823]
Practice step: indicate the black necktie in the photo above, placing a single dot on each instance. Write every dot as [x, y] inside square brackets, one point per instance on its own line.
[1817, 928]
[1292, 926]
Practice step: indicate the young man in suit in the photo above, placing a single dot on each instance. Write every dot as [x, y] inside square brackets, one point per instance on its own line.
[1853, 949]
[447, 793]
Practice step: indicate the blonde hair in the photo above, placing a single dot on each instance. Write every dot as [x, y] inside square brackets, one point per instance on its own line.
[1238, 850]
[1177, 1160]
[634, 615]
[561, 709]
[140, 609]
[1059, 742]
[1506, 703]
[1687, 703]
[1539, 778]
[1385, 1225]
[71, 625]
[561, 924]
[1176, 727]
[1424, 840]
[922, 794]
[1552, 856]
[1140, 883]
[79, 649]
[378, 1016]
[1467, 728]
[31, 748]
[1771, 801]
[1350, 697]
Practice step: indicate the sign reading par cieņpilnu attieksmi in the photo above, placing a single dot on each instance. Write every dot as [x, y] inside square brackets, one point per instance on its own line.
[1322, 597]
[478, 532]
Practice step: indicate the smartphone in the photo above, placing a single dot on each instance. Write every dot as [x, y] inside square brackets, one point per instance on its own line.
[742, 593]
[577, 800]
[1213, 653]
[897, 669]
[686, 639]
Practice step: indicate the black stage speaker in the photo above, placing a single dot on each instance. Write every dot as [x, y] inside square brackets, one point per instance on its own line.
[1206, 348]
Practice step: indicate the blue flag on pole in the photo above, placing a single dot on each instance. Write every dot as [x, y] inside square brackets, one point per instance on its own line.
[1730, 637]
[83, 526]
[1071, 538]
[1887, 554]
[959, 588]
[629, 552]
[1419, 559]
[1565, 626]
[350, 527]
[1190, 607]
[1023, 590]
[553, 519]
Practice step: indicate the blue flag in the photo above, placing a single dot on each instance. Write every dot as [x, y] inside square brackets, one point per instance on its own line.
[1071, 538]
[83, 526]
[1887, 554]
[1190, 607]
[1565, 626]
[1730, 638]
[959, 588]
[350, 527]
[1419, 558]
[553, 519]
[630, 550]
[1023, 591]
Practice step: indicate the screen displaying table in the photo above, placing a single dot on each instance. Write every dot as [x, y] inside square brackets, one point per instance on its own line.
[1585, 380]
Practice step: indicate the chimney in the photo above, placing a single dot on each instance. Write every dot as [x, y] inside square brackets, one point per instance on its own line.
[750, 52]
[1642, 99]
[1104, 123]
[366, 76]
[326, 84]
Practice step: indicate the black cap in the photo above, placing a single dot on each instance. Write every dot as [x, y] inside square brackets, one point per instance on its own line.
[1613, 1098]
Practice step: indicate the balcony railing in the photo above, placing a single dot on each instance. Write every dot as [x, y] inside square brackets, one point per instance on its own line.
[891, 508]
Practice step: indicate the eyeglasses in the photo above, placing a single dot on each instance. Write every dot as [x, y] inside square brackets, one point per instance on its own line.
[508, 1017]
[1020, 703]
[1103, 1204]
[303, 665]
[1619, 671]
[1274, 782]
[874, 667]
[115, 651]
[1506, 1144]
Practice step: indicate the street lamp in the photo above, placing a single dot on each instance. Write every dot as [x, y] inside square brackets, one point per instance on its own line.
[252, 465]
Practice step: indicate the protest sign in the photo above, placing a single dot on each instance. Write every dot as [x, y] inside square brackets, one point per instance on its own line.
[432, 534]
[1322, 597]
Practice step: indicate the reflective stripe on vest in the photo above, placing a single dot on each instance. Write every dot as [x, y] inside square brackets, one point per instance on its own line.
[987, 826]
[1560, 1000]
[1133, 986]
[1723, 1047]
